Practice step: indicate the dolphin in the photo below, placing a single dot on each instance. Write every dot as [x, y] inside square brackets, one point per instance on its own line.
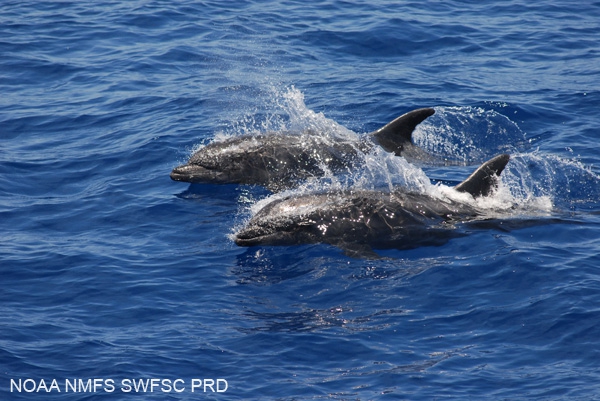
[278, 161]
[358, 220]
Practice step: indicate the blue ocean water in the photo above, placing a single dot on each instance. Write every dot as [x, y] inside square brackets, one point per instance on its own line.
[112, 273]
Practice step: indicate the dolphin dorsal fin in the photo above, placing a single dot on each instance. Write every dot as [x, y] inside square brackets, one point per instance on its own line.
[396, 134]
[485, 178]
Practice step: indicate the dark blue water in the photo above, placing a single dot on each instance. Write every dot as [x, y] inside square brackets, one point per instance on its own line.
[111, 271]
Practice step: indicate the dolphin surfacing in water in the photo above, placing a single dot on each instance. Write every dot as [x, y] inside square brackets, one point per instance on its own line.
[278, 161]
[358, 220]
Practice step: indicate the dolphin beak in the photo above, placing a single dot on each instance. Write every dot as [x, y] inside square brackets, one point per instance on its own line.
[254, 235]
[258, 235]
[191, 173]
[247, 237]
[179, 173]
[244, 242]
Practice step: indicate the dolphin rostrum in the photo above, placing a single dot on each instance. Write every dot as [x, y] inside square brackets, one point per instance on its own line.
[278, 161]
[357, 220]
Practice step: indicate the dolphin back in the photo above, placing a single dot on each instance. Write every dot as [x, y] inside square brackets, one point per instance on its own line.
[395, 136]
[485, 179]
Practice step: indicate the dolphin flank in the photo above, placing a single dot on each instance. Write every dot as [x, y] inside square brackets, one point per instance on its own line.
[278, 161]
[357, 220]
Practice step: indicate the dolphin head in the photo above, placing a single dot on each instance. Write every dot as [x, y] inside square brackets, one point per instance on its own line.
[286, 221]
[222, 162]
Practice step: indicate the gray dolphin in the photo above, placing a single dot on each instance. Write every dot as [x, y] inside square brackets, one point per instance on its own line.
[278, 161]
[357, 220]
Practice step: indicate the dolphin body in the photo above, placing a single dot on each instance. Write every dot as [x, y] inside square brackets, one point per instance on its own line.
[359, 220]
[278, 161]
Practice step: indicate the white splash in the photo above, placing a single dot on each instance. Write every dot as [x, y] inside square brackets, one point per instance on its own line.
[468, 135]
[531, 184]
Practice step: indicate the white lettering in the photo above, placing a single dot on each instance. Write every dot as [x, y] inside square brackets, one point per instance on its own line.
[42, 385]
[179, 390]
[166, 386]
[126, 385]
[219, 381]
[14, 386]
[209, 383]
[33, 386]
[98, 383]
[196, 383]
[30, 385]
[141, 384]
[110, 385]
[54, 385]
[84, 386]
[69, 385]
[87, 386]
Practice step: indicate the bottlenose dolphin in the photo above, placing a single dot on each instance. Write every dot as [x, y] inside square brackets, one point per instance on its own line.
[278, 161]
[358, 220]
